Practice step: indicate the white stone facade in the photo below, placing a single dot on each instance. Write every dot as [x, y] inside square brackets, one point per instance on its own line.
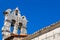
[52, 35]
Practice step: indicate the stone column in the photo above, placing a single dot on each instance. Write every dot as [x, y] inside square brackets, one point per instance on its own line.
[15, 28]
[6, 29]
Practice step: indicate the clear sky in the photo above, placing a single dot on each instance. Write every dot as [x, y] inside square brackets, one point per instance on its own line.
[40, 13]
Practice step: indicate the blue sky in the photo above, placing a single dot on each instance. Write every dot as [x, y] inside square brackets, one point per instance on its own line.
[40, 13]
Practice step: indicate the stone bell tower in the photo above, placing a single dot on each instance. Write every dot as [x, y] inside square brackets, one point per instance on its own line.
[14, 19]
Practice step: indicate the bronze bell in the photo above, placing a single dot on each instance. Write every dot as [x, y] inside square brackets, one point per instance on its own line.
[16, 12]
[20, 24]
[13, 22]
[5, 13]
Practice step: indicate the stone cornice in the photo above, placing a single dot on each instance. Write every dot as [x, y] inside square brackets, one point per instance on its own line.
[44, 30]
